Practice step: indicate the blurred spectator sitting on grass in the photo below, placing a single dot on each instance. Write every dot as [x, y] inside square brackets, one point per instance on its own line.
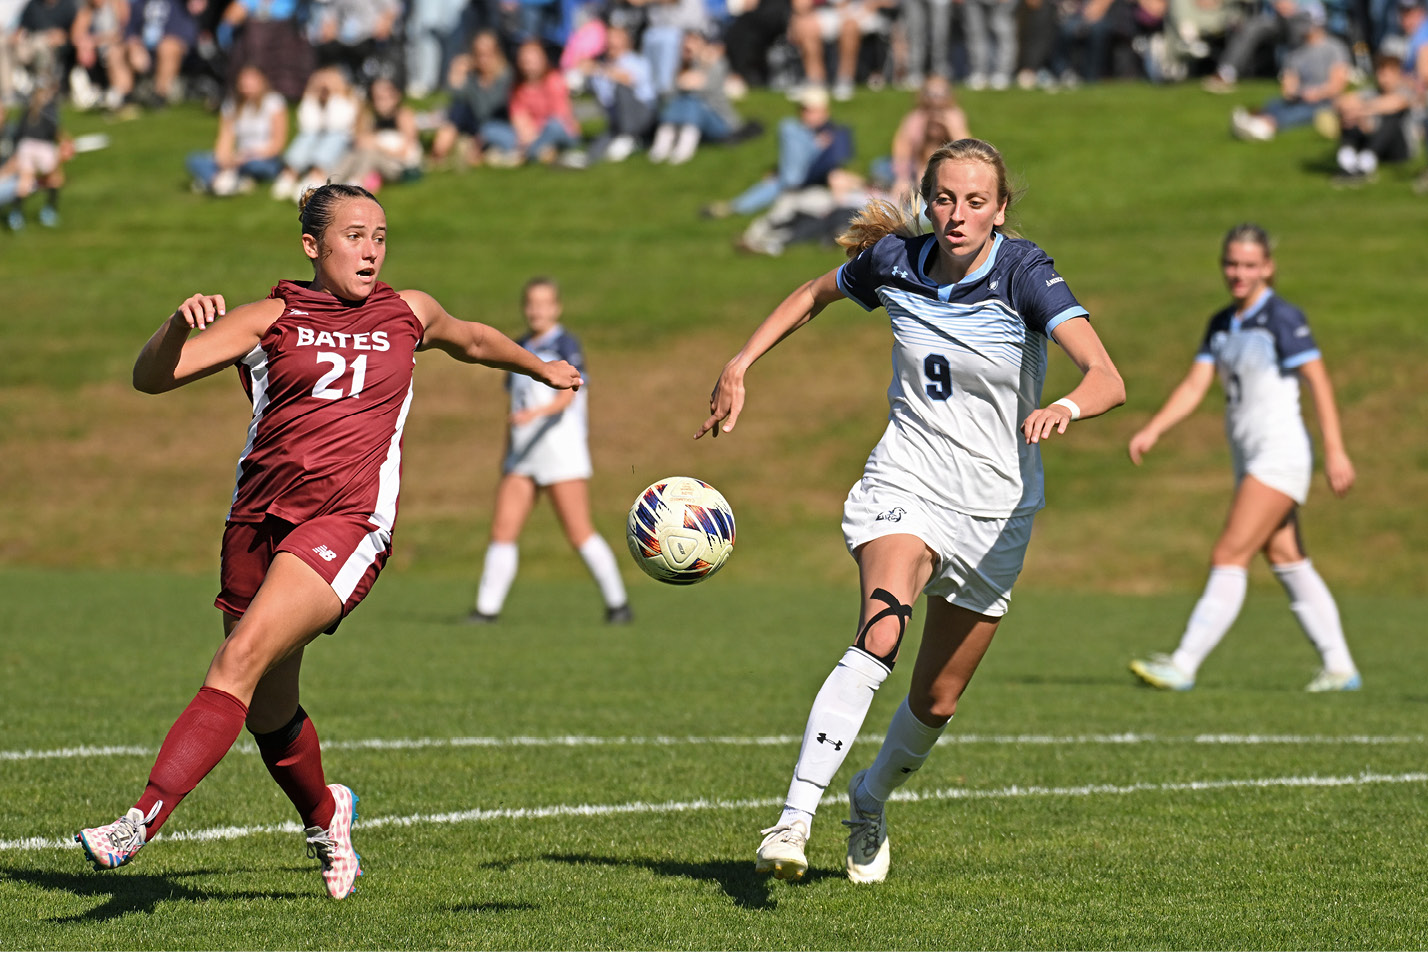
[816, 214]
[1315, 74]
[809, 149]
[40, 153]
[1375, 124]
[662, 43]
[699, 109]
[268, 35]
[541, 112]
[326, 130]
[1191, 33]
[356, 35]
[622, 82]
[934, 120]
[252, 131]
[388, 145]
[480, 83]
[97, 36]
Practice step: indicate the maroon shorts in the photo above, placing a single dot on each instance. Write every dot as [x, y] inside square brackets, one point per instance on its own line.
[346, 550]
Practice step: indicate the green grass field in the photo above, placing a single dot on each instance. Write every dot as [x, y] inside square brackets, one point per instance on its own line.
[543, 785]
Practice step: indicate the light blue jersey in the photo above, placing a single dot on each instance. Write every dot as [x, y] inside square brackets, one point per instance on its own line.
[969, 362]
[552, 447]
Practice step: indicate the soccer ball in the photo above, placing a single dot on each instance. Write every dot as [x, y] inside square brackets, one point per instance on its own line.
[680, 530]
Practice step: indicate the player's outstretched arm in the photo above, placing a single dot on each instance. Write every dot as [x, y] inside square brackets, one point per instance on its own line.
[1099, 390]
[1182, 401]
[1337, 466]
[475, 343]
[795, 311]
[171, 358]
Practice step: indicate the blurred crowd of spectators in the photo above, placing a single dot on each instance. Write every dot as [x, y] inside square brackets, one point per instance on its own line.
[307, 90]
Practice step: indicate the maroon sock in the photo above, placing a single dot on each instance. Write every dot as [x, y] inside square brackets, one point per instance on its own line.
[294, 759]
[197, 742]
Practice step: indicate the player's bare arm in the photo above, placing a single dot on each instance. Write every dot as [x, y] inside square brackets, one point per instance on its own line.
[476, 343]
[1099, 390]
[1338, 468]
[795, 311]
[174, 356]
[1182, 402]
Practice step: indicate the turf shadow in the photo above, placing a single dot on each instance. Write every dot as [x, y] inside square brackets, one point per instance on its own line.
[128, 892]
[736, 879]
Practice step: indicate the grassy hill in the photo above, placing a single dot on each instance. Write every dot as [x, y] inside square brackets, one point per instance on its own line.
[1129, 187]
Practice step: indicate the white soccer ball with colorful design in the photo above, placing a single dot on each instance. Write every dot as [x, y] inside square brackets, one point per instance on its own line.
[680, 530]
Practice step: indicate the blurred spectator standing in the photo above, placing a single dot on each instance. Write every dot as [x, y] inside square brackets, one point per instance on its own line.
[809, 149]
[1087, 31]
[98, 39]
[927, 25]
[1258, 38]
[622, 82]
[38, 155]
[326, 130]
[252, 131]
[357, 35]
[41, 41]
[989, 27]
[1038, 37]
[752, 34]
[387, 147]
[480, 83]
[268, 35]
[1316, 72]
[433, 39]
[700, 108]
[1375, 124]
[666, 22]
[844, 23]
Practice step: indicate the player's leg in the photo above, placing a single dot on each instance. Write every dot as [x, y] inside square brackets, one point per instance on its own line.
[1257, 511]
[893, 570]
[1313, 606]
[571, 499]
[293, 605]
[515, 497]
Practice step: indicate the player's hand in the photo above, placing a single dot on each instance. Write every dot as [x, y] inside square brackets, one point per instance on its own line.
[1140, 444]
[1340, 471]
[200, 311]
[1043, 422]
[562, 375]
[725, 402]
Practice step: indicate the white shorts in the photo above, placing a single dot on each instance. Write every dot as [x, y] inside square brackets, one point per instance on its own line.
[869, 20]
[548, 454]
[979, 558]
[1288, 470]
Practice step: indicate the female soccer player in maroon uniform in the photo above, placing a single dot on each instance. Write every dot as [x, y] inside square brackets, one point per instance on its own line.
[328, 365]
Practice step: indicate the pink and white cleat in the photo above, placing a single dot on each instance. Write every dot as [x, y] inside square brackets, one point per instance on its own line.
[341, 865]
[115, 845]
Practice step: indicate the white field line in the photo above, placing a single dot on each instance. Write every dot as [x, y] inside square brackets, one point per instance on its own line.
[697, 805]
[594, 741]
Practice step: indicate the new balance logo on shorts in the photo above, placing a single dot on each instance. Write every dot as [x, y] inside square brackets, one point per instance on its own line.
[324, 552]
[893, 515]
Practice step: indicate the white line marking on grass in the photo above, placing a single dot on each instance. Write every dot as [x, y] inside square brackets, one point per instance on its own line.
[595, 741]
[709, 804]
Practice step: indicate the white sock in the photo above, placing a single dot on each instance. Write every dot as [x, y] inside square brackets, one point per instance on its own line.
[1212, 616]
[908, 743]
[601, 563]
[1313, 605]
[1368, 162]
[497, 574]
[833, 723]
[663, 142]
[1348, 159]
[685, 146]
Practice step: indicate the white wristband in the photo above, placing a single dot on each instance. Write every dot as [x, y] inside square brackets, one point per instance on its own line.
[1070, 405]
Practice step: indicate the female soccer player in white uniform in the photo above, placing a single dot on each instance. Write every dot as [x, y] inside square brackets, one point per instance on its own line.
[1261, 347]
[946, 500]
[548, 449]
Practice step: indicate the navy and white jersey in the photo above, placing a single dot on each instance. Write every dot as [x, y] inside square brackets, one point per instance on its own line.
[1257, 355]
[557, 344]
[969, 360]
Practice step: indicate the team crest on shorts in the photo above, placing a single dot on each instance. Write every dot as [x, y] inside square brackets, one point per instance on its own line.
[893, 515]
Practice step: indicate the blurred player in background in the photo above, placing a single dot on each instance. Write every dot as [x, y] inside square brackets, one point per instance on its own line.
[547, 449]
[1261, 347]
[947, 497]
[328, 365]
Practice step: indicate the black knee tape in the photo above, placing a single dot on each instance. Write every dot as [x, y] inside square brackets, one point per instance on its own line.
[902, 611]
[284, 737]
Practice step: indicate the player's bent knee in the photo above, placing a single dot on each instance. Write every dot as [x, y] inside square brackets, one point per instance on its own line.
[882, 634]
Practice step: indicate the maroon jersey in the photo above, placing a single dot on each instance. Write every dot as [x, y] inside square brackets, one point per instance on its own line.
[331, 384]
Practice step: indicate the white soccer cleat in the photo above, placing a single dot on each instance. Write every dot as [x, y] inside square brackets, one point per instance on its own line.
[114, 845]
[868, 851]
[332, 846]
[1160, 672]
[781, 851]
[1328, 681]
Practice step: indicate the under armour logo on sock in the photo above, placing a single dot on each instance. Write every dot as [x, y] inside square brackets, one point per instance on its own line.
[837, 743]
